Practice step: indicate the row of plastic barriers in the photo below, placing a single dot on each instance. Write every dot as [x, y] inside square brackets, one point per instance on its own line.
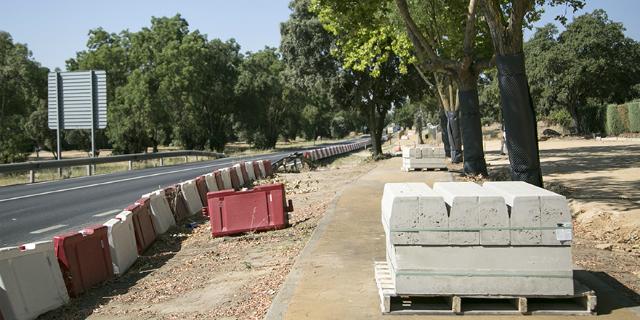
[42, 276]
[323, 153]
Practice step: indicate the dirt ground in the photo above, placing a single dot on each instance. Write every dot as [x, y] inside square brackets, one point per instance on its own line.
[601, 179]
[187, 274]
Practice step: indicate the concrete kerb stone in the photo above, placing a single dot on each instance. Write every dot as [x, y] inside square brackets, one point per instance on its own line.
[161, 211]
[412, 213]
[122, 242]
[473, 207]
[191, 196]
[532, 207]
[31, 282]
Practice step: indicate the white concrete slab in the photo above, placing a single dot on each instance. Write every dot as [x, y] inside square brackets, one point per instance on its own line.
[30, 281]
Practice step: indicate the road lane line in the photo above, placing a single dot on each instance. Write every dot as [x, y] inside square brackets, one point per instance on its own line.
[107, 213]
[57, 226]
[104, 183]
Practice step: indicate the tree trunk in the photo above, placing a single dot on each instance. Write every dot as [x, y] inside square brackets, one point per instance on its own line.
[376, 133]
[445, 134]
[453, 131]
[474, 162]
[419, 128]
[520, 119]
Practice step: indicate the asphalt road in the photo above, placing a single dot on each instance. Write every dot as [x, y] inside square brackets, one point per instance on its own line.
[39, 211]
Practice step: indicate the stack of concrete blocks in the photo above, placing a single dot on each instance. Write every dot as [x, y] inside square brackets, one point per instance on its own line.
[423, 157]
[460, 238]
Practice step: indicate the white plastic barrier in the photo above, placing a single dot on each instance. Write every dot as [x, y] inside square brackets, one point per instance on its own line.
[122, 242]
[160, 211]
[191, 196]
[238, 168]
[250, 172]
[30, 281]
[212, 185]
[263, 170]
[225, 173]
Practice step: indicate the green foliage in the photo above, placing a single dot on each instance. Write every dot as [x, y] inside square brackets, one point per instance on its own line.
[593, 117]
[591, 60]
[23, 84]
[560, 117]
[634, 116]
[617, 119]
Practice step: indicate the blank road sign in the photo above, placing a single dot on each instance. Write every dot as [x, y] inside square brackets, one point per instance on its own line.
[78, 96]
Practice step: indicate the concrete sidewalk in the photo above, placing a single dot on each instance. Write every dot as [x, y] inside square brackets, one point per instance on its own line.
[333, 278]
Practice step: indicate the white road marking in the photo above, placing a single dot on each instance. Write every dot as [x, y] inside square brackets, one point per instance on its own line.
[58, 226]
[107, 182]
[110, 212]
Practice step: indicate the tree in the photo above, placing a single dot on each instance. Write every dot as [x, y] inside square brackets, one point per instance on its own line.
[261, 108]
[23, 84]
[37, 129]
[311, 73]
[428, 35]
[505, 20]
[591, 60]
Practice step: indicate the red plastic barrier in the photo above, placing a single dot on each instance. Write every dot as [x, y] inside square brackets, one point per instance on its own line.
[201, 184]
[245, 174]
[258, 209]
[84, 258]
[176, 202]
[142, 224]
[267, 167]
[234, 178]
[256, 170]
[219, 181]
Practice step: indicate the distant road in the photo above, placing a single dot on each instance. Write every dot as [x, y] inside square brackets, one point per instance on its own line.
[38, 211]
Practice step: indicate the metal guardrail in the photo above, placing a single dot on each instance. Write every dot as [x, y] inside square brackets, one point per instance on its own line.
[33, 166]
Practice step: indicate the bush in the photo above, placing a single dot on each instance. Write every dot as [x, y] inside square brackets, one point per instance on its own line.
[560, 117]
[617, 119]
[634, 116]
[592, 117]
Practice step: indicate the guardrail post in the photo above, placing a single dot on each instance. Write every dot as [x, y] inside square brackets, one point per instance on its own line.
[32, 176]
[130, 165]
[186, 159]
[162, 162]
[88, 169]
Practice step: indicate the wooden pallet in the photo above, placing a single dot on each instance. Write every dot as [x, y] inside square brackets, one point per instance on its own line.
[583, 302]
[424, 169]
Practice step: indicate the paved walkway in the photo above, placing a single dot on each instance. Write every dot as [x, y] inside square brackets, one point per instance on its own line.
[333, 278]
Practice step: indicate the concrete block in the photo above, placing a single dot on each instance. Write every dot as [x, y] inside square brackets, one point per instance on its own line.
[462, 202]
[239, 173]
[532, 207]
[250, 172]
[225, 173]
[30, 281]
[263, 171]
[161, 211]
[122, 242]
[412, 213]
[191, 196]
[210, 179]
[481, 270]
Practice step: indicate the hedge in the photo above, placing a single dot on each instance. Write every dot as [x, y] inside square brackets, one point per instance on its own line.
[592, 118]
[617, 119]
[634, 116]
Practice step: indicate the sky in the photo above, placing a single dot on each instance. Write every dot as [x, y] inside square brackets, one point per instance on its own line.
[55, 30]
